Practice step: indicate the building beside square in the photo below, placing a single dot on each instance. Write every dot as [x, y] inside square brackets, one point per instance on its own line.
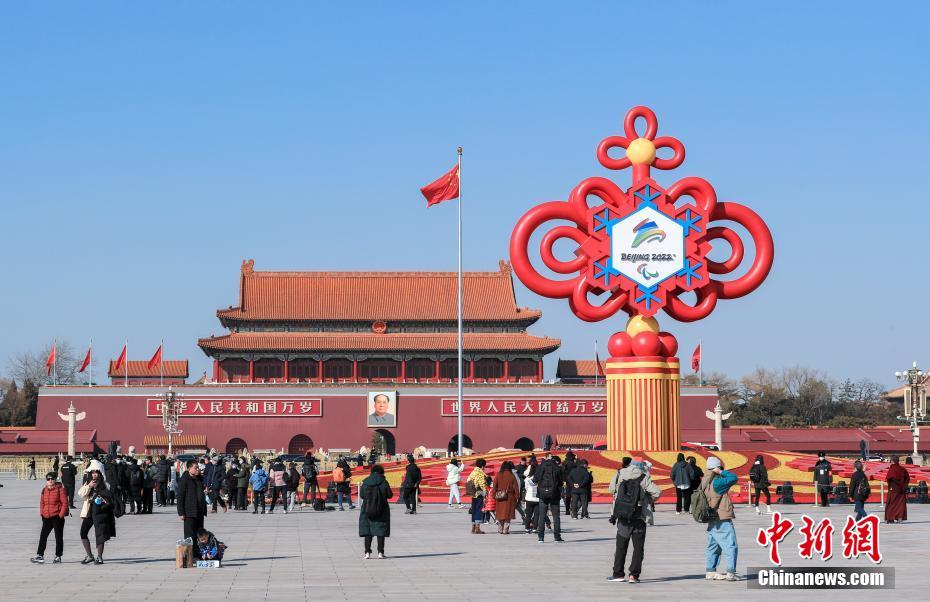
[138, 372]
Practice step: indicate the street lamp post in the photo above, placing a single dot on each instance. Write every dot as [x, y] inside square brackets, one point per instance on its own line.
[915, 403]
[170, 414]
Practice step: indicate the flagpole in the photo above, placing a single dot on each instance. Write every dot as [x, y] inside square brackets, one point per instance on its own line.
[597, 364]
[126, 367]
[90, 366]
[459, 227]
[55, 363]
[161, 363]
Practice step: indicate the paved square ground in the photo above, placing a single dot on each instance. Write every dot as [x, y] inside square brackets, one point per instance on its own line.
[307, 555]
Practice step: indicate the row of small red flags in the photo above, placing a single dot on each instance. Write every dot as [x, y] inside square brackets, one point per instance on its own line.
[120, 361]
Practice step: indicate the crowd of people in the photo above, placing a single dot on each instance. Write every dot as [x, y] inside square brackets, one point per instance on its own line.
[536, 490]
[112, 486]
[540, 491]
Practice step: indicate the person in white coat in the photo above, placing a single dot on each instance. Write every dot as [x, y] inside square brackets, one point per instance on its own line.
[453, 477]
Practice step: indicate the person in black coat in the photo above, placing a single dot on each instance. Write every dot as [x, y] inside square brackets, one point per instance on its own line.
[567, 467]
[216, 476]
[579, 479]
[697, 475]
[148, 486]
[411, 483]
[134, 487]
[231, 483]
[374, 523]
[97, 514]
[162, 476]
[310, 473]
[68, 475]
[121, 488]
[823, 479]
[549, 473]
[759, 477]
[192, 503]
[859, 489]
[111, 473]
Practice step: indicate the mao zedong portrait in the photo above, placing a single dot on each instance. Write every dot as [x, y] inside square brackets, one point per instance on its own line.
[381, 416]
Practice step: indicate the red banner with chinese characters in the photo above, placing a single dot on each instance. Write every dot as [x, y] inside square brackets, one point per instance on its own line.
[525, 407]
[192, 407]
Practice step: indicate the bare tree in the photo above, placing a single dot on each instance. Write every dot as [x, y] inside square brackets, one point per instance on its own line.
[30, 365]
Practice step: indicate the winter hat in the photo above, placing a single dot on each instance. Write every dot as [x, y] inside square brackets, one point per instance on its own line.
[98, 466]
[713, 462]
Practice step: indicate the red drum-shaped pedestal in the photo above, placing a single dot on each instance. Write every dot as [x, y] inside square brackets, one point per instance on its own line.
[643, 403]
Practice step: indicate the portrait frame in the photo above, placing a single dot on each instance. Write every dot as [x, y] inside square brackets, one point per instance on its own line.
[389, 418]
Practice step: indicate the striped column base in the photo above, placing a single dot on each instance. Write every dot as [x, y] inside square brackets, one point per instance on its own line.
[643, 403]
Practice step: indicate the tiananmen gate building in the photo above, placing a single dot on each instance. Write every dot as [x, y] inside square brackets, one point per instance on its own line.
[369, 327]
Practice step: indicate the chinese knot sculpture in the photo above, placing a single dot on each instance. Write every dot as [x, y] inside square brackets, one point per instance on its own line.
[642, 248]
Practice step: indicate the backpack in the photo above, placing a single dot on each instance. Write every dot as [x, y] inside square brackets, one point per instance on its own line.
[863, 491]
[700, 507]
[755, 474]
[319, 504]
[546, 486]
[470, 488]
[135, 479]
[628, 503]
[339, 475]
[374, 501]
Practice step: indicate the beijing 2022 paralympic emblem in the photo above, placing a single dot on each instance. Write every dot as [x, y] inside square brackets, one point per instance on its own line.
[644, 246]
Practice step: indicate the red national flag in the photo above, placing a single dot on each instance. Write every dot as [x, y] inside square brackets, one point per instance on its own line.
[51, 360]
[443, 189]
[599, 370]
[156, 359]
[696, 358]
[121, 360]
[86, 361]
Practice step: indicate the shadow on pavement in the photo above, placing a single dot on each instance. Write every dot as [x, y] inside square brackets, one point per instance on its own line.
[678, 578]
[244, 561]
[425, 555]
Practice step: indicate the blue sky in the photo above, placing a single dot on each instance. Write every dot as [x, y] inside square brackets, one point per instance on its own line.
[147, 149]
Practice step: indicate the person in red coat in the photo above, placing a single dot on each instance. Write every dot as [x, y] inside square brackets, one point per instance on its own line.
[53, 507]
[897, 479]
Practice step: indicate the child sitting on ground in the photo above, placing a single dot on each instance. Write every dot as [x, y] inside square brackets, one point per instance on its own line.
[208, 546]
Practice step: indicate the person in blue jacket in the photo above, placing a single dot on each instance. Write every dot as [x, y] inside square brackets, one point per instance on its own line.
[208, 546]
[259, 481]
